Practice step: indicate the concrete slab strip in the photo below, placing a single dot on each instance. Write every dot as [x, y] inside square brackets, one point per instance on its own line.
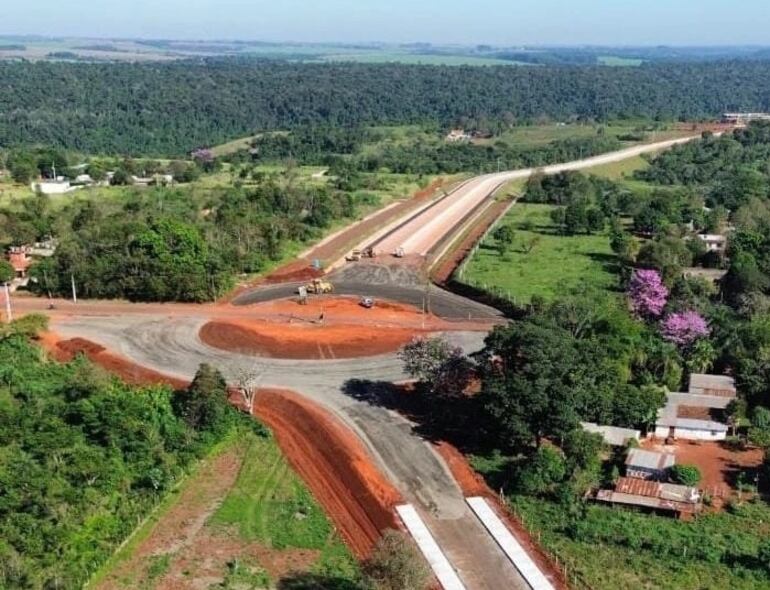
[508, 543]
[438, 562]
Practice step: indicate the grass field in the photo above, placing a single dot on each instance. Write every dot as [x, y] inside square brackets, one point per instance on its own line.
[243, 519]
[624, 169]
[555, 265]
[620, 548]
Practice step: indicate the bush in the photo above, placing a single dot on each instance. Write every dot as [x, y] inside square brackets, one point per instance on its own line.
[395, 564]
[687, 475]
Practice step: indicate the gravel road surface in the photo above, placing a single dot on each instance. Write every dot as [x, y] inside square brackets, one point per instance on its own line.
[171, 345]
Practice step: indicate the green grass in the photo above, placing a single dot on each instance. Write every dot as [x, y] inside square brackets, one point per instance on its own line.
[621, 548]
[555, 265]
[270, 504]
[624, 169]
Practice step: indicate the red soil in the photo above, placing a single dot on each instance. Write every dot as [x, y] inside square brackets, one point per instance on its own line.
[303, 339]
[299, 270]
[335, 466]
[130, 372]
[472, 484]
[719, 465]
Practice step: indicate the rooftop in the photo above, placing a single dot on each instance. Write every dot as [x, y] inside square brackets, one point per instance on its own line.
[612, 435]
[719, 385]
[650, 459]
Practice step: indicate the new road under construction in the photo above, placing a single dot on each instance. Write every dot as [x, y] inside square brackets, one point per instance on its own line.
[321, 365]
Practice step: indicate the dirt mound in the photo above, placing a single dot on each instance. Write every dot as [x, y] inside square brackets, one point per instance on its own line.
[67, 350]
[304, 339]
[300, 270]
[334, 465]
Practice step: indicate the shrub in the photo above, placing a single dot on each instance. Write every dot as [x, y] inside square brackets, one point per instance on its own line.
[687, 475]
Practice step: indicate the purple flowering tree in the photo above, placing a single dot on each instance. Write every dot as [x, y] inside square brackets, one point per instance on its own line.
[647, 293]
[684, 328]
[203, 156]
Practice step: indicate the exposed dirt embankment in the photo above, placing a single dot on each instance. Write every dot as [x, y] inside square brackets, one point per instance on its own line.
[303, 339]
[130, 372]
[335, 466]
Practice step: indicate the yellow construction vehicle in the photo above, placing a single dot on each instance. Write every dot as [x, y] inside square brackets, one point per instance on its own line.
[319, 287]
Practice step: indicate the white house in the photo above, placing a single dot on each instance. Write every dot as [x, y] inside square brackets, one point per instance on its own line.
[693, 416]
[53, 187]
[714, 242]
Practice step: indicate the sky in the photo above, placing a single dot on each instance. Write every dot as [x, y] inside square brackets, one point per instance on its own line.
[495, 22]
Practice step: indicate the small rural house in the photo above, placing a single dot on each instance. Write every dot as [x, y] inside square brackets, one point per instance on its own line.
[20, 259]
[683, 501]
[612, 435]
[643, 464]
[714, 242]
[53, 187]
[692, 417]
[456, 135]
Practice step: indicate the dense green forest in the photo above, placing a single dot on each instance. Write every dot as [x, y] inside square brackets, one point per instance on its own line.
[84, 457]
[170, 109]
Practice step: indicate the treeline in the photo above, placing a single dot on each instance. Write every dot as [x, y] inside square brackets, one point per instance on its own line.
[362, 150]
[173, 244]
[170, 109]
[84, 457]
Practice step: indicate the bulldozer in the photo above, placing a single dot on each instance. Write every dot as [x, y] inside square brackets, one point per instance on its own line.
[319, 287]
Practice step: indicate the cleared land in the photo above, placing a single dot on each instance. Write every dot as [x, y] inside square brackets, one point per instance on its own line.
[242, 520]
[541, 261]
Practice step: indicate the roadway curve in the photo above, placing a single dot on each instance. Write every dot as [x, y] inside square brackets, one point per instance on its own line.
[347, 388]
[419, 233]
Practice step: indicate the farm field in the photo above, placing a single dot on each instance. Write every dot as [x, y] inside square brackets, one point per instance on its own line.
[242, 520]
[541, 262]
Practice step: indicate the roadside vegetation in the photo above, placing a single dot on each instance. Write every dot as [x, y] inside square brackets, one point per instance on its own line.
[191, 239]
[84, 458]
[607, 354]
[205, 222]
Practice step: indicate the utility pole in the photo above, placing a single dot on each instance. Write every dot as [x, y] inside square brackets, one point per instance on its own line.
[8, 310]
[74, 291]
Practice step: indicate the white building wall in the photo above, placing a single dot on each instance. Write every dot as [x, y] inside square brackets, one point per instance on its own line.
[690, 434]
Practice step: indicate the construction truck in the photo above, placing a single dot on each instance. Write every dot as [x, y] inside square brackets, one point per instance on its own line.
[398, 252]
[357, 255]
[319, 287]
